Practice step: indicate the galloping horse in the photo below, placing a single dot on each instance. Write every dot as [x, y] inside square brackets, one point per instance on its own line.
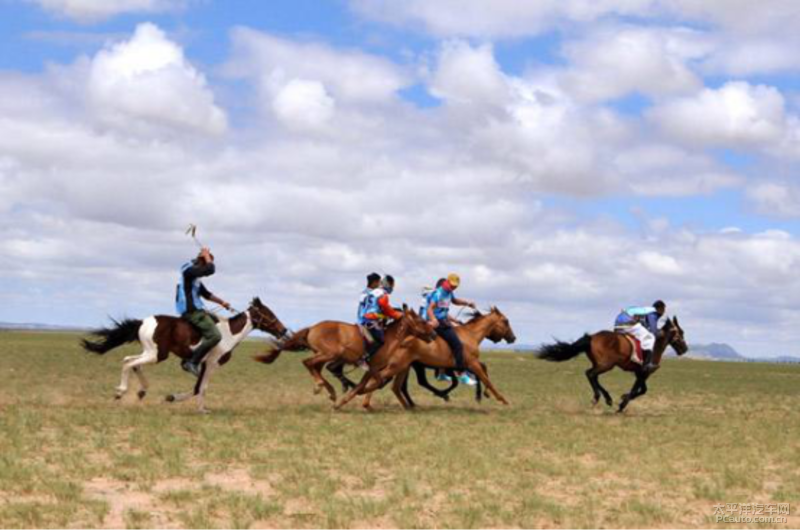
[338, 342]
[161, 334]
[396, 363]
[607, 350]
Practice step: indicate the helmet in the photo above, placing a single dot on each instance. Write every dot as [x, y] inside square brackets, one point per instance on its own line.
[454, 280]
[373, 277]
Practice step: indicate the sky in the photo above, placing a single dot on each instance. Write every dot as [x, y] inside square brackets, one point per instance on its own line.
[566, 158]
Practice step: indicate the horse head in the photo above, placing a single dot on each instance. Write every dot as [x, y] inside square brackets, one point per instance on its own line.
[501, 329]
[411, 323]
[675, 337]
[265, 320]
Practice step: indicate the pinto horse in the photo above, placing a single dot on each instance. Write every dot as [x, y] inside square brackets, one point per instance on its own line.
[161, 334]
[335, 342]
[607, 350]
[396, 363]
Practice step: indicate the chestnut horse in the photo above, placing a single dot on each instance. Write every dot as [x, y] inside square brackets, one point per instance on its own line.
[396, 363]
[336, 342]
[161, 334]
[607, 350]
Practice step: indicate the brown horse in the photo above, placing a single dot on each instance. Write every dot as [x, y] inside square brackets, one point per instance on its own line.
[161, 334]
[396, 363]
[607, 350]
[338, 342]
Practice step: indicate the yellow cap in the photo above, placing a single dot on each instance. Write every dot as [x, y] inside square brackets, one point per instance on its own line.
[454, 280]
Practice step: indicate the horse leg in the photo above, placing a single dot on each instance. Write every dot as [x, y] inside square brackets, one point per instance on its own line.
[202, 383]
[635, 391]
[142, 382]
[372, 381]
[314, 365]
[367, 403]
[355, 391]
[404, 390]
[422, 380]
[336, 368]
[475, 366]
[149, 355]
[479, 391]
[397, 388]
[593, 375]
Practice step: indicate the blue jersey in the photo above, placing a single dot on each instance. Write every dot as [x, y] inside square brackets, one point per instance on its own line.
[441, 299]
[188, 297]
[648, 317]
[368, 308]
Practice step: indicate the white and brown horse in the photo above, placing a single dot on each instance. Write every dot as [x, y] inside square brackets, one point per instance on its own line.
[161, 335]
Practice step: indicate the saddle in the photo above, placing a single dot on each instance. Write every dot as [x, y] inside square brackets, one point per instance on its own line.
[637, 356]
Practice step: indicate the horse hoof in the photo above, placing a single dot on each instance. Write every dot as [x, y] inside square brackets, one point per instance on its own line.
[610, 403]
[170, 398]
[204, 411]
[141, 394]
[317, 389]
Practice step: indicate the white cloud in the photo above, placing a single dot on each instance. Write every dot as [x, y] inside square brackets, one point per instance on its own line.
[620, 60]
[349, 76]
[775, 198]
[303, 104]
[735, 115]
[660, 264]
[467, 75]
[97, 10]
[512, 19]
[502, 18]
[148, 80]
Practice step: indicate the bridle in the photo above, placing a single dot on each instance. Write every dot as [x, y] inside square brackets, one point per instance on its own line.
[265, 324]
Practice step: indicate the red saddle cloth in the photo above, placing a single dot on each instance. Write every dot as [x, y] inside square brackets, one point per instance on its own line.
[637, 356]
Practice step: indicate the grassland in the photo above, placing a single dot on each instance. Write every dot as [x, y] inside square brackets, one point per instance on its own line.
[272, 454]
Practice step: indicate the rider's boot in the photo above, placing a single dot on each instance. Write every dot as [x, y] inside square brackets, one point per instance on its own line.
[192, 365]
[648, 366]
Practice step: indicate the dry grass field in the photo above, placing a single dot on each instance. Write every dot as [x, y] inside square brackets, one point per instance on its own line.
[272, 454]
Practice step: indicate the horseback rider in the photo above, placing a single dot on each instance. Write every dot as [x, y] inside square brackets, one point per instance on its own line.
[374, 310]
[189, 305]
[438, 313]
[643, 323]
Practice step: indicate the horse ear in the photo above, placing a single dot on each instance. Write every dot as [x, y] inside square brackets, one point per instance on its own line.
[405, 308]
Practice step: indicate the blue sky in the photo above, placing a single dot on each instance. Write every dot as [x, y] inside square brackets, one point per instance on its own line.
[566, 158]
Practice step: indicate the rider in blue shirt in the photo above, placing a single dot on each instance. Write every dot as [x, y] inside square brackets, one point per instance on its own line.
[189, 305]
[437, 312]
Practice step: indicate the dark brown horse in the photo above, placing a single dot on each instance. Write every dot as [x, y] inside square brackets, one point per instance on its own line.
[607, 350]
[395, 363]
[339, 342]
[161, 335]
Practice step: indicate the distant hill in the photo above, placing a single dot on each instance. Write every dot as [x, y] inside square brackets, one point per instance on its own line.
[715, 351]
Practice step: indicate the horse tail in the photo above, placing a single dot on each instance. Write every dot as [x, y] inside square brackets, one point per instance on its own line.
[296, 343]
[561, 351]
[121, 333]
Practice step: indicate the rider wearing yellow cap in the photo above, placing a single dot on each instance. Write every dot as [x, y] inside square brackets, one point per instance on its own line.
[437, 312]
